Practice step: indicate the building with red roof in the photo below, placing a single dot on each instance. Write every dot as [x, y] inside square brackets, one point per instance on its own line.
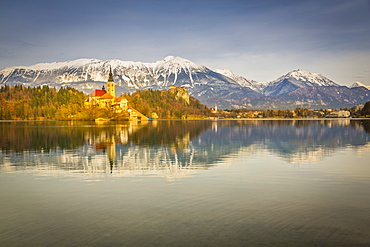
[107, 99]
[102, 98]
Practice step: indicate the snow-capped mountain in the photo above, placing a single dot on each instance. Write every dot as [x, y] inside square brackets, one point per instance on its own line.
[359, 84]
[127, 74]
[88, 74]
[135, 75]
[211, 87]
[294, 80]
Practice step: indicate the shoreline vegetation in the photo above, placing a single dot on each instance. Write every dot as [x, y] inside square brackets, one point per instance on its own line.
[20, 103]
[194, 119]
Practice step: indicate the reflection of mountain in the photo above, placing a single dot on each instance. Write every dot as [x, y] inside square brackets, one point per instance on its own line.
[171, 149]
[298, 141]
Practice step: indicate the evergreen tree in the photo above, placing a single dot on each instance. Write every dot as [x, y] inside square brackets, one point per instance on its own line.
[366, 110]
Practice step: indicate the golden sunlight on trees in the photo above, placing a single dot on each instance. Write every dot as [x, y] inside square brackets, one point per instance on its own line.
[166, 104]
[39, 103]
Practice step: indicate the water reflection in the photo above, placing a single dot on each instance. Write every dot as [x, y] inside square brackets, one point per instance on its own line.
[171, 149]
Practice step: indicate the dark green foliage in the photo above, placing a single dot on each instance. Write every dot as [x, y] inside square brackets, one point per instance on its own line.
[39, 136]
[366, 110]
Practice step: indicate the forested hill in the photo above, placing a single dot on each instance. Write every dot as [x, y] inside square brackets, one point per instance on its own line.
[39, 103]
[174, 103]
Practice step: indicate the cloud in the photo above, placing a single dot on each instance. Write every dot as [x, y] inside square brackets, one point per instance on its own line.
[257, 39]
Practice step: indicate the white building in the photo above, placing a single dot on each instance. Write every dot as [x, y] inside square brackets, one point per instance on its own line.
[339, 114]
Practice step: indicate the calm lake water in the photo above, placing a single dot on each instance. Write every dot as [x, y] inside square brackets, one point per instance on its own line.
[185, 183]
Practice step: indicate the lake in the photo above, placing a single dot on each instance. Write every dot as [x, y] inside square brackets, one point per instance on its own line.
[185, 183]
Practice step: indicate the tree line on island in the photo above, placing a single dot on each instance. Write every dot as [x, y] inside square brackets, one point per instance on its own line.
[47, 103]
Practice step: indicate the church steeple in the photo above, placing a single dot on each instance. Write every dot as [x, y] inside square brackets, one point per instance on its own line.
[110, 75]
[111, 85]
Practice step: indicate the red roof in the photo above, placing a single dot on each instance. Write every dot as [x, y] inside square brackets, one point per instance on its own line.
[97, 93]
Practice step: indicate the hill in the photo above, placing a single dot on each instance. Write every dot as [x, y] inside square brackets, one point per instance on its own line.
[39, 103]
[175, 103]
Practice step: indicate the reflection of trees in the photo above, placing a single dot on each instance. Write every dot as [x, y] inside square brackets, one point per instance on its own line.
[176, 134]
[37, 136]
[121, 149]
[286, 137]
[49, 136]
[365, 124]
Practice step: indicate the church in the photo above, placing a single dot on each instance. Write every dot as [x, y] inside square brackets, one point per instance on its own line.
[106, 98]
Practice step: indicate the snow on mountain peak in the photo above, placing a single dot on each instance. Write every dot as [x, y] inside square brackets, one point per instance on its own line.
[226, 72]
[58, 65]
[169, 58]
[312, 79]
[294, 80]
[175, 59]
[178, 60]
[359, 84]
[172, 62]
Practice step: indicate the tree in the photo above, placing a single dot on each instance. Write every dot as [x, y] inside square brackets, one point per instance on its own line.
[366, 110]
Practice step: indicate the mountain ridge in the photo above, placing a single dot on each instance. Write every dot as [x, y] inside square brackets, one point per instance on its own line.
[211, 87]
[359, 84]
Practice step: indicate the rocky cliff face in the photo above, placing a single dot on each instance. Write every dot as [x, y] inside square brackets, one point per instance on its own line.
[180, 93]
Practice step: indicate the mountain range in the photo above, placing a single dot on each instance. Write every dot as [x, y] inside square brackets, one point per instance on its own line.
[223, 88]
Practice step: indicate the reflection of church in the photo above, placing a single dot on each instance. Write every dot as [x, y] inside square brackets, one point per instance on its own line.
[106, 98]
[107, 143]
[123, 156]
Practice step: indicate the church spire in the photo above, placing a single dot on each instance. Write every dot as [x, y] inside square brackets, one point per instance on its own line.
[111, 86]
[110, 75]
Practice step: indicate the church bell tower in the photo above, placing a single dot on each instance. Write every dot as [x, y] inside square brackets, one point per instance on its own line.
[111, 85]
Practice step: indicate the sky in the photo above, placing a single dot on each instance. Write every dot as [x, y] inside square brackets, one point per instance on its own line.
[259, 40]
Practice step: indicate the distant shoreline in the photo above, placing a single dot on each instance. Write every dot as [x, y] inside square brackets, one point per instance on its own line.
[196, 119]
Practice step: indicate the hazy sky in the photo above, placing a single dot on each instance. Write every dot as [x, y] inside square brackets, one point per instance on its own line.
[259, 40]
